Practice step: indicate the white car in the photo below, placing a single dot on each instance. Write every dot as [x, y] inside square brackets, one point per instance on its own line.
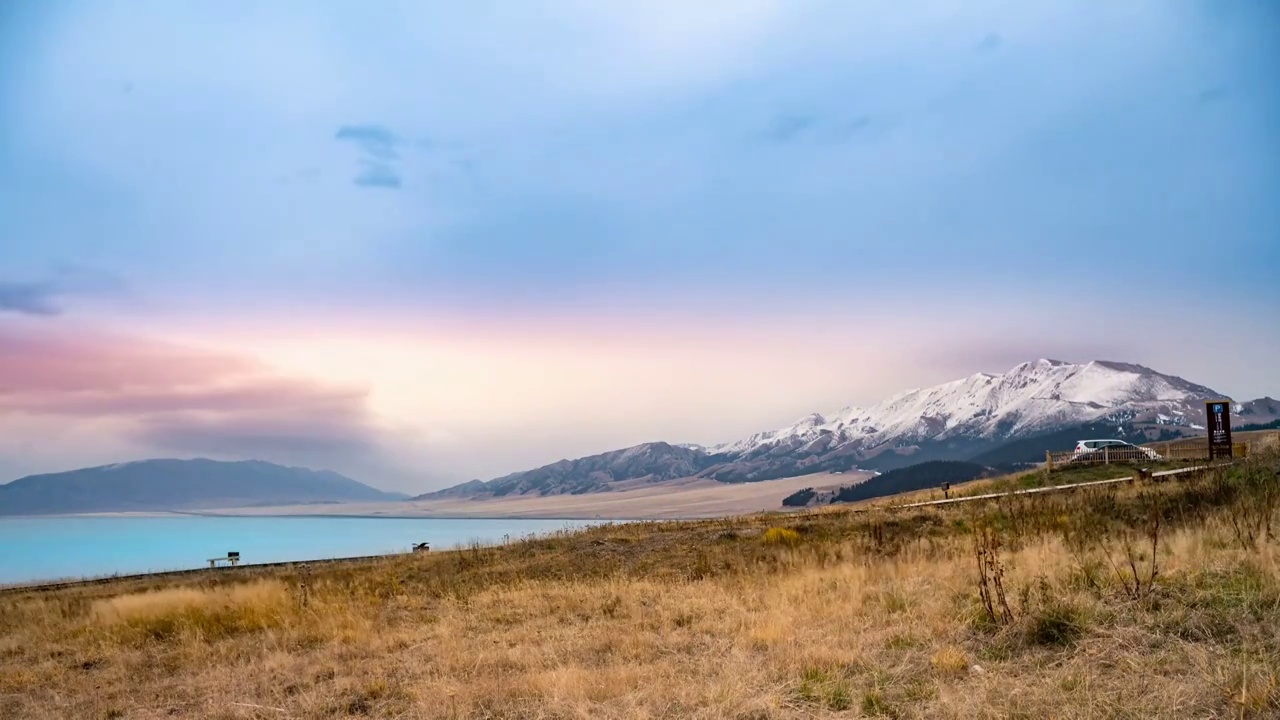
[1092, 451]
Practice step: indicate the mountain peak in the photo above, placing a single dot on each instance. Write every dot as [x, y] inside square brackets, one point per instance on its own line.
[1032, 395]
[954, 420]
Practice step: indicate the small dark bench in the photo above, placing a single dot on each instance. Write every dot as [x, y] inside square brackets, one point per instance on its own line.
[232, 559]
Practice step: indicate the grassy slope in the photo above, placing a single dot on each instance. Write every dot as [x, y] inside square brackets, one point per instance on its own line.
[832, 612]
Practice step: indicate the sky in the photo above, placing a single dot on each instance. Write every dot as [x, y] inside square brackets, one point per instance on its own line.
[420, 243]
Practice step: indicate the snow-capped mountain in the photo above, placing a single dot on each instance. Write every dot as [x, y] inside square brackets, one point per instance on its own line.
[960, 420]
[1032, 397]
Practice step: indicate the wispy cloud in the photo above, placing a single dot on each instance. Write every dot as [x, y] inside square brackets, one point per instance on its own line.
[374, 140]
[284, 436]
[847, 129]
[43, 297]
[378, 175]
[29, 298]
[380, 149]
[797, 128]
[788, 127]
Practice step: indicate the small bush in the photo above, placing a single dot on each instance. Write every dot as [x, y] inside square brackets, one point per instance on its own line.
[780, 536]
[874, 705]
[894, 601]
[1058, 623]
[821, 687]
[950, 659]
[839, 698]
[902, 641]
[812, 680]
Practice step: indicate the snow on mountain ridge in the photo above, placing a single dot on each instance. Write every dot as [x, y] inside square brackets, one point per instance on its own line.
[1033, 395]
[956, 420]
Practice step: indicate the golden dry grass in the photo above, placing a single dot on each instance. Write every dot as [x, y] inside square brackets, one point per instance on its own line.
[834, 613]
[193, 614]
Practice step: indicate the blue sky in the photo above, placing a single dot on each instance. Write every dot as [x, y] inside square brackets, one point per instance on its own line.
[867, 176]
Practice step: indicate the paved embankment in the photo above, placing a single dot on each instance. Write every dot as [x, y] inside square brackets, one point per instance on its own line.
[1051, 488]
[247, 569]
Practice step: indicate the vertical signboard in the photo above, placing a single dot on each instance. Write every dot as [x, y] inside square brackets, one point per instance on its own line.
[1218, 421]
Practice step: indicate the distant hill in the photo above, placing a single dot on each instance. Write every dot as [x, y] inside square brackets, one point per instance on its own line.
[913, 477]
[1260, 414]
[650, 462]
[1264, 412]
[157, 485]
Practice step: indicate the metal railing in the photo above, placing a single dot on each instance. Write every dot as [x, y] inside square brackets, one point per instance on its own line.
[1138, 454]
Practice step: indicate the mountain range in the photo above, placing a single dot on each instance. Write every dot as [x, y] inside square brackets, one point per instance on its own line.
[992, 420]
[1017, 414]
[154, 485]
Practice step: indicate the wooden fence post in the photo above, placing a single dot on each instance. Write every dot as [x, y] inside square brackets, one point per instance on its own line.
[1048, 460]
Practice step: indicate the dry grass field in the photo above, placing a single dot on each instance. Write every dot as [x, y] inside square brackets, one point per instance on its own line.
[1147, 600]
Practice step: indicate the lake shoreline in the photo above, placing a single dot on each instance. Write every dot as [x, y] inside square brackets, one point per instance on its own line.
[56, 550]
[49, 585]
[175, 514]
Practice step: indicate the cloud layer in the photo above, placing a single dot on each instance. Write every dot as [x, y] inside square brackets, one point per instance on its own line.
[175, 399]
[29, 298]
[380, 149]
[438, 241]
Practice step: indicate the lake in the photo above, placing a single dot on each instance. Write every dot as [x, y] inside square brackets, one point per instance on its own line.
[79, 547]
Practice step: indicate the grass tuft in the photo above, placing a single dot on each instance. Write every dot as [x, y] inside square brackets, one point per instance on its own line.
[780, 536]
[874, 704]
[1058, 623]
[950, 660]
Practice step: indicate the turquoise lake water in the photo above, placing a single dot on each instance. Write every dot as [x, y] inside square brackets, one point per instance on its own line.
[58, 548]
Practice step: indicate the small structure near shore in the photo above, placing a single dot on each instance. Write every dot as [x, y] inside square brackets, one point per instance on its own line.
[232, 559]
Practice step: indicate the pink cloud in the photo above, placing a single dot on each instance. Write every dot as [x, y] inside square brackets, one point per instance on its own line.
[48, 361]
[180, 399]
[242, 394]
